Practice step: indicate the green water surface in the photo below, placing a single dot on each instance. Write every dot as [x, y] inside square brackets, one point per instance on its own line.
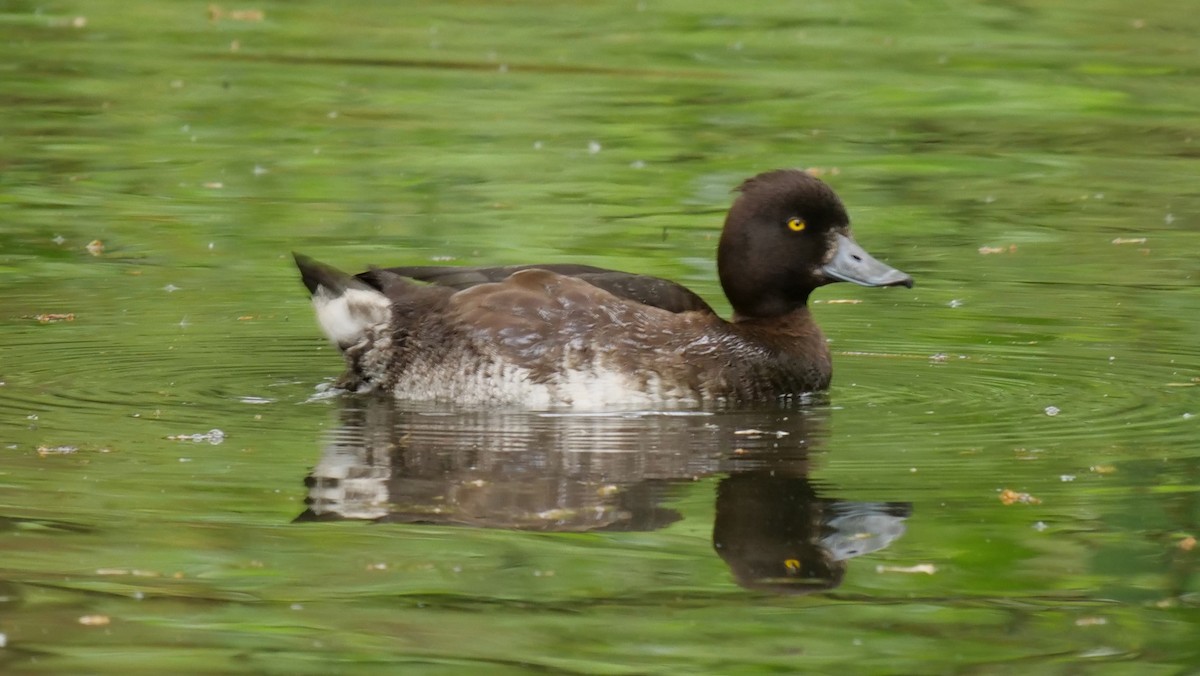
[1033, 165]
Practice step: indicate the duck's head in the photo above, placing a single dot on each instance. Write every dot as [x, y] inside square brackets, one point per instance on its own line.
[785, 235]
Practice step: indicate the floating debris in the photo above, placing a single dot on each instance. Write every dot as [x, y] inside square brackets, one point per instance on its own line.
[1040, 526]
[218, 13]
[1188, 543]
[214, 185]
[1009, 497]
[955, 303]
[125, 571]
[1052, 411]
[1090, 622]
[821, 171]
[56, 450]
[256, 400]
[95, 247]
[922, 568]
[1103, 469]
[94, 620]
[842, 301]
[73, 22]
[59, 239]
[985, 250]
[758, 433]
[213, 436]
[594, 147]
[1129, 240]
[51, 317]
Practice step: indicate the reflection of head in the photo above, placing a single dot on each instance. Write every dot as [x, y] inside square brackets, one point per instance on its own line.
[777, 535]
[767, 530]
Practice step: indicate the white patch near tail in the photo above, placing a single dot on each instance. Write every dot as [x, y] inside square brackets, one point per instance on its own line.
[346, 317]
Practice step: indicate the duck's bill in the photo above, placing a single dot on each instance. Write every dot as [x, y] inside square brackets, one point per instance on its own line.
[851, 263]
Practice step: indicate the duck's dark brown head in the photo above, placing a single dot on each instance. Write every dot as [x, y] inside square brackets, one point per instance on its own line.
[785, 235]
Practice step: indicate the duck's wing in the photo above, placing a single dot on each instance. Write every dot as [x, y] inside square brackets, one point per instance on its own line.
[644, 289]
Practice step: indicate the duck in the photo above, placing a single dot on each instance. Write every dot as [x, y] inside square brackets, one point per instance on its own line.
[579, 336]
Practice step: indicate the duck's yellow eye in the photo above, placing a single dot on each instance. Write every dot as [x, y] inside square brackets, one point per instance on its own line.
[792, 564]
[796, 224]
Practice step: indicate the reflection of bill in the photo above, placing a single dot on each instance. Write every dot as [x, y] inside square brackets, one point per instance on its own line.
[392, 462]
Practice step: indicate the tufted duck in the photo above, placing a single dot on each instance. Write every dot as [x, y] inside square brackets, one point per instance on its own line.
[576, 335]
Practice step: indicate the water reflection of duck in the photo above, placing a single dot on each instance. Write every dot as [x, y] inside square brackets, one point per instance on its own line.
[578, 335]
[572, 473]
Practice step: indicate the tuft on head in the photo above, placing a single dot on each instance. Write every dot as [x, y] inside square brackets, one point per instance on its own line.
[777, 190]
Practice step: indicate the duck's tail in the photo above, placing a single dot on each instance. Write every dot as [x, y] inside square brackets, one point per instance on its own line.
[346, 307]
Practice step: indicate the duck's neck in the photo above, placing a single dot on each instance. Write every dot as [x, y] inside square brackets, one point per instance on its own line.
[796, 317]
[793, 354]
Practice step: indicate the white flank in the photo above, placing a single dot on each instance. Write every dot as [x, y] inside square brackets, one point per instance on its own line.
[345, 318]
[501, 383]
